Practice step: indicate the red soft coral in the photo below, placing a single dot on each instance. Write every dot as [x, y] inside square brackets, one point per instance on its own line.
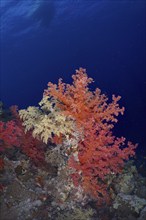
[29, 145]
[12, 134]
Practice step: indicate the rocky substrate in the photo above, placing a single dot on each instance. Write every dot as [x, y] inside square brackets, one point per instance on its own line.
[29, 192]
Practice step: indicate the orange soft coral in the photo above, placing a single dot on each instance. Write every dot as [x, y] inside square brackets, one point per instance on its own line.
[78, 101]
[99, 153]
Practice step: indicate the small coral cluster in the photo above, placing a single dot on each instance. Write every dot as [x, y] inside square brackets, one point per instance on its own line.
[81, 121]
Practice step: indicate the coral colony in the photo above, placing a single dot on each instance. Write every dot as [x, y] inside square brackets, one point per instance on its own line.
[79, 123]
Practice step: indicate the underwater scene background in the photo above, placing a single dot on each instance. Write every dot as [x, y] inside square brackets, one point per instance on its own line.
[40, 42]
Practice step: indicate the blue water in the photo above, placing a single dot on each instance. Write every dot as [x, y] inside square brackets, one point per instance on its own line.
[42, 41]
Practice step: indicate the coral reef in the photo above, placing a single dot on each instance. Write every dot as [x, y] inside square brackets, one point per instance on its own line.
[64, 158]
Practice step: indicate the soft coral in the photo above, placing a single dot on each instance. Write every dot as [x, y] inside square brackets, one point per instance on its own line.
[99, 153]
[29, 145]
[10, 134]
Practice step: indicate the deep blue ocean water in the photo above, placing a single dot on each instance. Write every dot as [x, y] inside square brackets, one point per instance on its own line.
[42, 40]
